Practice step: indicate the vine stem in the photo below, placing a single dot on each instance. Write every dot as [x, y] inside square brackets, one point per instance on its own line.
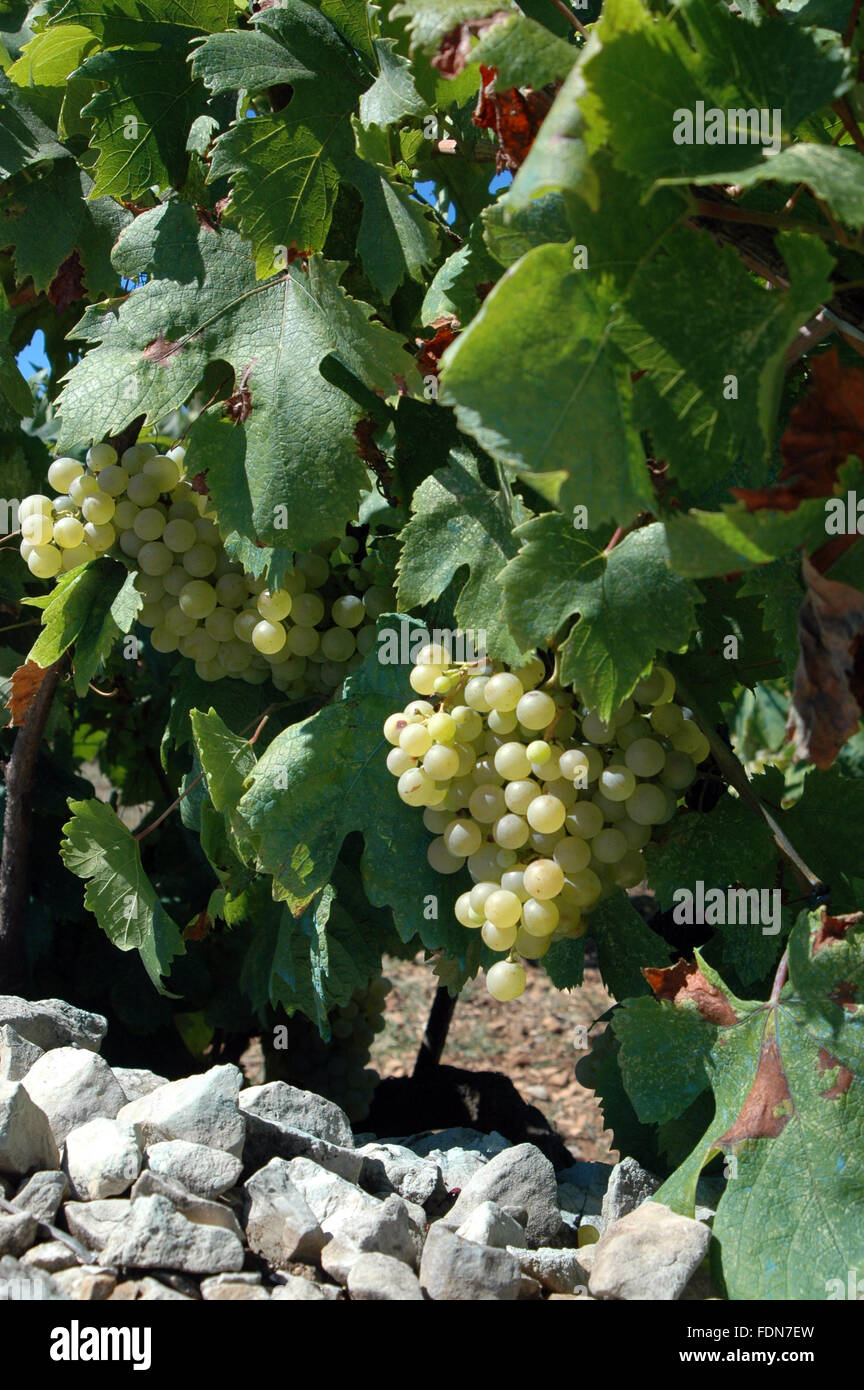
[435, 1033]
[17, 834]
[569, 15]
[142, 834]
[723, 212]
[736, 776]
[780, 978]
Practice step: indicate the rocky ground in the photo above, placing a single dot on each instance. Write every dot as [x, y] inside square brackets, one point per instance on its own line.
[536, 1041]
[120, 1185]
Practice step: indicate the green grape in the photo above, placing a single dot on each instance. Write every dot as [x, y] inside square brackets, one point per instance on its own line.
[584, 820]
[647, 805]
[338, 644]
[85, 485]
[572, 853]
[510, 831]
[440, 762]
[543, 879]
[99, 457]
[546, 814]
[512, 762]
[498, 938]
[99, 508]
[149, 524]
[680, 769]
[314, 569]
[153, 556]
[35, 504]
[62, 472]
[503, 692]
[101, 538]
[37, 529]
[198, 598]
[303, 641]
[644, 756]
[348, 611]
[505, 980]
[440, 858]
[81, 555]
[141, 490]
[44, 561]
[177, 622]
[519, 795]
[220, 624]
[486, 803]
[609, 846]
[163, 640]
[113, 481]
[179, 535]
[199, 561]
[617, 782]
[539, 918]
[535, 709]
[267, 637]
[502, 908]
[125, 513]
[465, 913]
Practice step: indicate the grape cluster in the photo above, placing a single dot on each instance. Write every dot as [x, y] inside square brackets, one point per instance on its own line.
[305, 636]
[546, 804]
[338, 1070]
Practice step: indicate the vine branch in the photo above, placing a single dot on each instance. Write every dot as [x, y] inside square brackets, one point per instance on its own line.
[17, 834]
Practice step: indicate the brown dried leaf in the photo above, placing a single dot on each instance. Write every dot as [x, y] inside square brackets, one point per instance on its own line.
[769, 1106]
[515, 115]
[685, 982]
[841, 1082]
[161, 350]
[456, 45]
[24, 686]
[824, 429]
[67, 287]
[828, 697]
[833, 929]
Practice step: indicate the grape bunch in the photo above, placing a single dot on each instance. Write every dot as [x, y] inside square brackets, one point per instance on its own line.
[547, 805]
[338, 1070]
[305, 636]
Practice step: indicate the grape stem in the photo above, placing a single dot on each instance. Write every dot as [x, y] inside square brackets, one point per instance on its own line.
[736, 776]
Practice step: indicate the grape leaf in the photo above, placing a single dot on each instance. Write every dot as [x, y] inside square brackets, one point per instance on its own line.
[393, 95]
[584, 437]
[141, 119]
[462, 281]
[712, 375]
[625, 945]
[823, 825]
[24, 139]
[284, 166]
[91, 607]
[226, 758]
[703, 543]
[429, 20]
[396, 237]
[326, 777]
[155, 347]
[458, 521]
[98, 847]
[663, 1056]
[48, 218]
[312, 963]
[833, 175]
[722, 61]
[124, 22]
[630, 604]
[787, 1117]
[524, 53]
